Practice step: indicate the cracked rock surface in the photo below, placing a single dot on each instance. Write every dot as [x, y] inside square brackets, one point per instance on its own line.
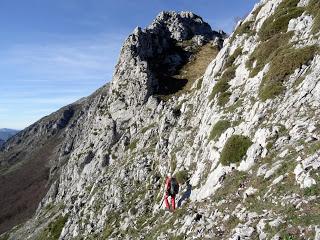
[112, 150]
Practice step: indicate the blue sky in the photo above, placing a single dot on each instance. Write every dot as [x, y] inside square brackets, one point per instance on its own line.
[55, 52]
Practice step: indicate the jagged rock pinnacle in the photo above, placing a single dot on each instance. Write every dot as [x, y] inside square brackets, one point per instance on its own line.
[145, 53]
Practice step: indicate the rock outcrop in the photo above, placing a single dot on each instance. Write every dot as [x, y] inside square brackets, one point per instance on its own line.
[242, 137]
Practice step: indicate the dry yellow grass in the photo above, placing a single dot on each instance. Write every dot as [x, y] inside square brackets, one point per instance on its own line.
[195, 68]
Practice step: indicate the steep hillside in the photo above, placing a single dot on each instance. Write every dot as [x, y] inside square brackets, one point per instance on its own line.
[242, 137]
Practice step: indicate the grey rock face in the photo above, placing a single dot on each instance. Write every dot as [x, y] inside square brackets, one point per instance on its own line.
[149, 57]
[108, 170]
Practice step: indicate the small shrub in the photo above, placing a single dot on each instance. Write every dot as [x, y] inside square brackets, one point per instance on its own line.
[218, 129]
[235, 149]
[182, 176]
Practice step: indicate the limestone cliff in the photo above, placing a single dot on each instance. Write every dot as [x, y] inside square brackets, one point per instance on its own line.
[242, 137]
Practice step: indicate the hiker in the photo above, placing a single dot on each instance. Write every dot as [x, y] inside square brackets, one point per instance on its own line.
[171, 188]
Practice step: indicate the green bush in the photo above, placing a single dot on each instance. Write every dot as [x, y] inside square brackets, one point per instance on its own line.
[182, 176]
[278, 22]
[235, 149]
[218, 129]
[282, 66]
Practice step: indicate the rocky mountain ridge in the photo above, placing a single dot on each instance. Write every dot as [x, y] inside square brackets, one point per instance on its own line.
[242, 138]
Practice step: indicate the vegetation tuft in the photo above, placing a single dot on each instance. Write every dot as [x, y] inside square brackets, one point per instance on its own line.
[222, 86]
[278, 22]
[54, 229]
[313, 9]
[218, 129]
[182, 176]
[235, 149]
[266, 51]
[231, 59]
[133, 144]
[282, 66]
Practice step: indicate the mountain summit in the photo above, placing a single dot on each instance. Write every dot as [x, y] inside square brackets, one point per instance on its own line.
[235, 120]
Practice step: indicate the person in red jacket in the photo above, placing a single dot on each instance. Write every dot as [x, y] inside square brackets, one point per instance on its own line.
[171, 188]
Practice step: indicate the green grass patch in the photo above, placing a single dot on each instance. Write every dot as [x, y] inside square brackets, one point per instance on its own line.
[54, 229]
[219, 87]
[133, 145]
[195, 68]
[224, 98]
[278, 22]
[314, 190]
[312, 148]
[4, 237]
[246, 27]
[266, 51]
[282, 65]
[231, 59]
[235, 149]
[222, 86]
[143, 130]
[243, 28]
[218, 129]
[229, 74]
[230, 186]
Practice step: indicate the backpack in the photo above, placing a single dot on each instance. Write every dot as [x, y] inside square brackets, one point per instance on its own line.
[174, 187]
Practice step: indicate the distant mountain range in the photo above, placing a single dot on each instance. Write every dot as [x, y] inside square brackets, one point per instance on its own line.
[6, 133]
